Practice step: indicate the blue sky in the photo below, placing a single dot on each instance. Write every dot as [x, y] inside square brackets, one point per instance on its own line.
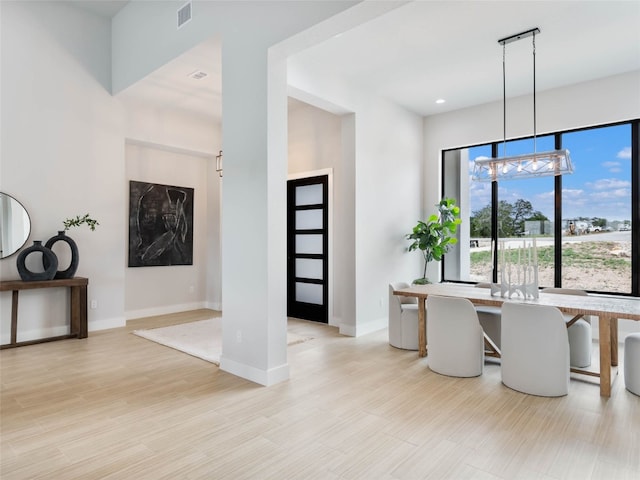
[599, 187]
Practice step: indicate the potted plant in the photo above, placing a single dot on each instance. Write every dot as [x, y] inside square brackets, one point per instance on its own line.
[435, 236]
[78, 220]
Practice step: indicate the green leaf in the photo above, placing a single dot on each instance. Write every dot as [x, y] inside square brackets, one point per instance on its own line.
[434, 237]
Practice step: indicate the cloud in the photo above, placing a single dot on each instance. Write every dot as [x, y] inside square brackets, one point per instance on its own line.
[480, 194]
[609, 194]
[545, 195]
[613, 167]
[625, 153]
[574, 197]
[609, 184]
[571, 192]
[606, 198]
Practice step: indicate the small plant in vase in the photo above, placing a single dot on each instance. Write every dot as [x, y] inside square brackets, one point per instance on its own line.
[49, 258]
[435, 236]
[76, 221]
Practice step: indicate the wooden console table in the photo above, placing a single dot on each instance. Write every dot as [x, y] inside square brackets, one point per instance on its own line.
[78, 310]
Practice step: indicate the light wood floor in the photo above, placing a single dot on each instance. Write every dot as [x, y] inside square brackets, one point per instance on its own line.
[118, 406]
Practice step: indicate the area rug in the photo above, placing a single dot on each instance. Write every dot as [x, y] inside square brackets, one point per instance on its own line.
[202, 339]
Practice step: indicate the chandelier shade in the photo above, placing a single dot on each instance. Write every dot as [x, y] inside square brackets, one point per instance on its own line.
[530, 165]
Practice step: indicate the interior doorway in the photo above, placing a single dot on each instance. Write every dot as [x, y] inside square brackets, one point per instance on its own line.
[308, 248]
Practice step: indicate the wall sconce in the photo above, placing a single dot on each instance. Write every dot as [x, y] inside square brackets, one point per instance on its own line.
[219, 163]
[555, 162]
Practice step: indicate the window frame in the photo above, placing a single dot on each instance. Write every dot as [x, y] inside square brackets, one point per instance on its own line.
[558, 137]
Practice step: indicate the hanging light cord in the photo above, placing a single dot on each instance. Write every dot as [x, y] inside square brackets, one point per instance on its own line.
[504, 100]
[504, 95]
[534, 94]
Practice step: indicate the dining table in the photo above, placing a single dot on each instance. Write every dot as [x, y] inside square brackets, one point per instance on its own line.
[609, 309]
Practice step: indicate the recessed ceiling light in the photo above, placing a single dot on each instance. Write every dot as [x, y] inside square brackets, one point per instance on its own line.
[440, 100]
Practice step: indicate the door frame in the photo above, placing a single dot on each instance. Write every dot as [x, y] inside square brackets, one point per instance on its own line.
[329, 173]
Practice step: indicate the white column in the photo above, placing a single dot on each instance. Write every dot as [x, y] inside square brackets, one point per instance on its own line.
[254, 213]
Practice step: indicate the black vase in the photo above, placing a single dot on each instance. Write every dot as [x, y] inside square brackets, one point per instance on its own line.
[50, 268]
[75, 257]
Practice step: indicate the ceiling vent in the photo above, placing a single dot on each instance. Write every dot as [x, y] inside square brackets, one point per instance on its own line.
[184, 14]
[198, 75]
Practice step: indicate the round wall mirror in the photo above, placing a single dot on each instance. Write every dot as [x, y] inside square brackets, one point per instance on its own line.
[15, 225]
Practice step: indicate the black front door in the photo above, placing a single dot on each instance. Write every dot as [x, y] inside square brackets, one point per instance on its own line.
[307, 248]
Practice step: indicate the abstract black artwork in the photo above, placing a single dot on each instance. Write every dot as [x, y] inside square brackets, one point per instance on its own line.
[160, 225]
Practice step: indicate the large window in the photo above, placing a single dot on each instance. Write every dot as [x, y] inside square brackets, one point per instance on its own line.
[583, 222]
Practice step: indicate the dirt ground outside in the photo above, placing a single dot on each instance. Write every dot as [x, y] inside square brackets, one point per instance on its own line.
[595, 265]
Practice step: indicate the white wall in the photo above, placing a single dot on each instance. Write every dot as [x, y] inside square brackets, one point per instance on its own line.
[154, 290]
[592, 103]
[388, 192]
[385, 163]
[62, 150]
[315, 145]
[179, 149]
[63, 153]
[587, 104]
[314, 138]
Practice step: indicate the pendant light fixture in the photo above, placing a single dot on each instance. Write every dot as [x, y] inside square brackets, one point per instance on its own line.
[536, 164]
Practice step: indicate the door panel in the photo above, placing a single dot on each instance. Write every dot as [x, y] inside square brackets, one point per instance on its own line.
[307, 248]
[309, 219]
[309, 194]
[309, 244]
[309, 293]
[309, 268]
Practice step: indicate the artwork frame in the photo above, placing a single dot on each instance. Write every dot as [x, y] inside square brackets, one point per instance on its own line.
[160, 224]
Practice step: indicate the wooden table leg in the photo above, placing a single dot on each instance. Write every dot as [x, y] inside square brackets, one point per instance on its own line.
[74, 311]
[78, 311]
[83, 331]
[422, 323]
[605, 355]
[14, 317]
[614, 342]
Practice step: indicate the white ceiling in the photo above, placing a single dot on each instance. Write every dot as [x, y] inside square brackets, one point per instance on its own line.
[425, 50]
[104, 8]
[172, 87]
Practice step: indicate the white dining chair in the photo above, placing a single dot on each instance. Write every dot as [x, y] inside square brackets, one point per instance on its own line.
[632, 363]
[580, 336]
[535, 349]
[403, 319]
[455, 340]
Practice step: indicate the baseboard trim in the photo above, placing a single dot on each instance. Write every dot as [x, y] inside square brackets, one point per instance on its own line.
[106, 324]
[37, 333]
[59, 330]
[164, 310]
[364, 328]
[217, 306]
[253, 374]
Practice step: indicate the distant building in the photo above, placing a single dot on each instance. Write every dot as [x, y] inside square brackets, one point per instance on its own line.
[538, 227]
